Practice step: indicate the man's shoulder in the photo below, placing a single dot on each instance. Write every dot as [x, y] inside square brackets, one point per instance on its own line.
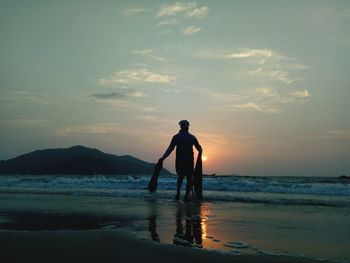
[183, 135]
[176, 136]
[192, 136]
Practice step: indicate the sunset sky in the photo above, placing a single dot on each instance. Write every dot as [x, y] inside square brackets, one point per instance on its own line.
[264, 84]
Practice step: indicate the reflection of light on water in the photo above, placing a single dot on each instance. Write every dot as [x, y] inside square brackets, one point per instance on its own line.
[209, 235]
[204, 215]
[204, 228]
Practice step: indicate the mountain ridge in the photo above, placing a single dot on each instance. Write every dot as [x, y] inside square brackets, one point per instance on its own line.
[75, 160]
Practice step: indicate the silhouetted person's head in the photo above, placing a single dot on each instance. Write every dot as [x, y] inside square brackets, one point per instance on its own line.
[184, 125]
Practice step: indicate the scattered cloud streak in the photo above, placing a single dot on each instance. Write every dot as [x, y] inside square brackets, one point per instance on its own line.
[188, 31]
[134, 11]
[154, 119]
[190, 9]
[254, 106]
[137, 94]
[148, 53]
[251, 53]
[267, 79]
[271, 75]
[178, 12]
[97, 128]
[214, 138]
[266, 99]
[108, 96]
[266, 92]
[167, 22]
[300, 94]
[136, 76]
[123, 99]
[198, 12]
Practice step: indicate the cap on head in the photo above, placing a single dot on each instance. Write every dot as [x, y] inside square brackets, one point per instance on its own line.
[184, 124]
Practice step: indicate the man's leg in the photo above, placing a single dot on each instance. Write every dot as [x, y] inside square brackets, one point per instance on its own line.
[179, 183]
[188, 186]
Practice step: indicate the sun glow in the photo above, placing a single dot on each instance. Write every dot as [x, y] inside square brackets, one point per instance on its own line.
[204, 158]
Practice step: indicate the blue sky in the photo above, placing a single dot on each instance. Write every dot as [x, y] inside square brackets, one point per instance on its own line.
[264, 84]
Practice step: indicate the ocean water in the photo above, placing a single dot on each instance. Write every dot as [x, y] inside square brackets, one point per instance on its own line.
[293, 216]
[320, 191]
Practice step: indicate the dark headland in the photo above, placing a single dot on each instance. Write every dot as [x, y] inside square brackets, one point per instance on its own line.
[76, 160]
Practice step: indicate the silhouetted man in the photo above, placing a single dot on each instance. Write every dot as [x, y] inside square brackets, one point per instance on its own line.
[184, 142]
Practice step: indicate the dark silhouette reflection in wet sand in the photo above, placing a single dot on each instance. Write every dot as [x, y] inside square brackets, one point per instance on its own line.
[152, 219]
[191, 234]
[190, 223]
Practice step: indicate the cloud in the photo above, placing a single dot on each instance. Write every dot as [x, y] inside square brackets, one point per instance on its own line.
[198, 12]
[149, 109]
[98, 128]
[190, 9]
[257, 55]
[280, 75]
[275, 96]
[273, 66]
[136, 76]
[254, 106]
[124, 99]
[119, 95]
[214, 138]
[171, 10]
[248, 53]
[167, 22]
[153, 119]
[148, 118]
[137, 94]
[268, 75]
[108, 96]
[148, 53]
[143, 51]
[179, 11]
[266, 92]
[267, 98]
[191, 30]
[266, 80]
[134, 11]
[301, 94]
[114, 100]
[297, 96]
[255, 72]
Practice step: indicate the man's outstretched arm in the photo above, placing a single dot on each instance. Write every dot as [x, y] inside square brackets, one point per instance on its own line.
[169, 150]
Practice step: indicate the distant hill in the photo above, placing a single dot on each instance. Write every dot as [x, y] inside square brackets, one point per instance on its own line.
[76, 160]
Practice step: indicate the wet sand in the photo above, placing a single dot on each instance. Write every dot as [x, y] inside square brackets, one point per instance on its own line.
[66, 228]
[108, 246]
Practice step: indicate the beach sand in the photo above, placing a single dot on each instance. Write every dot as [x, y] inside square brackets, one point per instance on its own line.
[108, 246]
[73, 228]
